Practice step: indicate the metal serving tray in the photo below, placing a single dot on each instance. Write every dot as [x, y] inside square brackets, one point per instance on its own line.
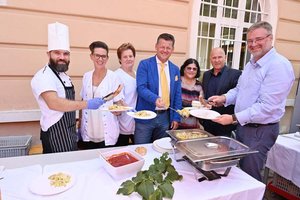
[188, 134]
[213, 152]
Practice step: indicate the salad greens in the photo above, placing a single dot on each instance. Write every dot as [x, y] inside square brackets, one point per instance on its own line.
[154, 183]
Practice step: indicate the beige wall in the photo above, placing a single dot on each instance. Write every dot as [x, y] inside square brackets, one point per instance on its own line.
[23, 42]
[288, 44]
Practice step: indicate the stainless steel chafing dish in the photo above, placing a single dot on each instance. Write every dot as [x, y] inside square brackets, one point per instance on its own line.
[187, 134]
[208, 153]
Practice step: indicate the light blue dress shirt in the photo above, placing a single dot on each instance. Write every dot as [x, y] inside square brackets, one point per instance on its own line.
[262, 89]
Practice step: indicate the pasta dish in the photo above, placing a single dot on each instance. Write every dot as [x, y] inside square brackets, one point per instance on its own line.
[142, 113]
[59, 179]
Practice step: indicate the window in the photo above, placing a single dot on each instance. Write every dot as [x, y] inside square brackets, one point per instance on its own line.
[224, 23]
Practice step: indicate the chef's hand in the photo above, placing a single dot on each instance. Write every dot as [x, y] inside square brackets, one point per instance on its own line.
[95, 103]
[217, 101]
[223, 119]
[174, 125]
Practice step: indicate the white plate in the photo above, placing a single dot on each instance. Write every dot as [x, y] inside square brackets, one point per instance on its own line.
[204, 114]
[163, 145]
[189, 108]
[150, 115]
[195, 108]
[42, 186]
[121, 109]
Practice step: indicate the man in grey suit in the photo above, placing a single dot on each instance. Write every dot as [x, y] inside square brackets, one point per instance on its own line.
[219, 80]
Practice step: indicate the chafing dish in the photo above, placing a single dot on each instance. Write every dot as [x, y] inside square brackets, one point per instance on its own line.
[187, 134]
[209, 153]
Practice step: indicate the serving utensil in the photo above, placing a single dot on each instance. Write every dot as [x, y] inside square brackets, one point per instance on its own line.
[173, 109]
[111, 95]
[183, 113]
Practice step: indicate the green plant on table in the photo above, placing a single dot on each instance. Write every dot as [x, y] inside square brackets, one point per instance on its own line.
[154, 183]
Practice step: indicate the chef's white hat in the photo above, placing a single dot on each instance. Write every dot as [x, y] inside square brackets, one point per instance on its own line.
[58, 37]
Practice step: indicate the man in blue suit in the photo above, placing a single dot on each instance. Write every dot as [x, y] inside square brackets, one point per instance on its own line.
[217, 81]
[150, 92]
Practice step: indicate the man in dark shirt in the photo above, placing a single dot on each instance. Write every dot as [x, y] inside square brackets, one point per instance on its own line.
[218, 81]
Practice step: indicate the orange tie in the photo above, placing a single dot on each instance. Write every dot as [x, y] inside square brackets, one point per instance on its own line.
[164, 86]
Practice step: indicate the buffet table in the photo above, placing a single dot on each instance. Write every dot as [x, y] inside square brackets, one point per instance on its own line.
[93, 182]
[284, 160]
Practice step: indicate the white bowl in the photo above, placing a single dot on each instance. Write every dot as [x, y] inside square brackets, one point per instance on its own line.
[123, 171]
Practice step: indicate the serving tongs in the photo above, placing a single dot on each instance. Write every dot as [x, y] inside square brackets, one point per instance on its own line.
[112, 95]
[180, 113]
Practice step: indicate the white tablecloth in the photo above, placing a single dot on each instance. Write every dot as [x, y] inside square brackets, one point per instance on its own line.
[284, 158]
[92, 182]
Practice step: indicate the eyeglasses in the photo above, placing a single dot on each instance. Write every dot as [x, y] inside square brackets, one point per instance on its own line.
[98, 56]
[258, 39]
[191, 68]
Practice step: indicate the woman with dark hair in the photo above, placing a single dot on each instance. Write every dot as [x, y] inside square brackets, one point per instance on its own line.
[99, 129]
[191, 89]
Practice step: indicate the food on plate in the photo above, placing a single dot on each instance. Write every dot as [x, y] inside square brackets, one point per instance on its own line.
[190, 135]
[115, 107]
[196, 104]
[184, 112]
[121, 159]
[201, 104]
[142, 113]
[59, 179]
[141, 150]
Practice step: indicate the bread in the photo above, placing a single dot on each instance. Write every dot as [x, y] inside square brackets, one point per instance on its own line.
[196, 104]
[141, 150]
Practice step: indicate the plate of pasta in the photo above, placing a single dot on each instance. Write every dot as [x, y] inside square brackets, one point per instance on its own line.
[143, 114]
[116, 108]
[54, 183]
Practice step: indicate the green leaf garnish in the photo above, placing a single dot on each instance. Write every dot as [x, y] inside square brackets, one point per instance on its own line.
[154, 183]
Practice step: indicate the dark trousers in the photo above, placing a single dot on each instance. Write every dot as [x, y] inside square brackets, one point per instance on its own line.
[260, 138]
[82, 145]
[217, 129]
[152, 129]
[125, 140]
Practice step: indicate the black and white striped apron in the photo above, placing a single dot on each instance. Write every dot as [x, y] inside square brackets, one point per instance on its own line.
[62, 136]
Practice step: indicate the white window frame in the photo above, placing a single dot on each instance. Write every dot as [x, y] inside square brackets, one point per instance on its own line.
[267, 6]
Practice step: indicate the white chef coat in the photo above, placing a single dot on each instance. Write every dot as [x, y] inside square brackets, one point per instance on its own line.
[127, 123]
[98, 125]
[45, 80]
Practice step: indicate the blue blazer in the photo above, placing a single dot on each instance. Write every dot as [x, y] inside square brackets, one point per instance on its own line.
[147, 87]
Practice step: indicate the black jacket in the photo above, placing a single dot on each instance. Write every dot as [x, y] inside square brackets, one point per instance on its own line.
[229, 79]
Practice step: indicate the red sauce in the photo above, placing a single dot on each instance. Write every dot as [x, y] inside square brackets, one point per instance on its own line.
[121, 159]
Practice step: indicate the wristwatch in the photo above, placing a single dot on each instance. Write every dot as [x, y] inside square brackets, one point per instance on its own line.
[234, 119]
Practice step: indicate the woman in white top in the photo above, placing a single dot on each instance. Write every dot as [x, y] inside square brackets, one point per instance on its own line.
[126, 74]
[99, 128]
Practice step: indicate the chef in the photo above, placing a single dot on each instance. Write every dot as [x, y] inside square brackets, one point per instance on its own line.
[54, 92]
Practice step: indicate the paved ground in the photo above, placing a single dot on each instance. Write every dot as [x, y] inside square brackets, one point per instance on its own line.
[269, 195]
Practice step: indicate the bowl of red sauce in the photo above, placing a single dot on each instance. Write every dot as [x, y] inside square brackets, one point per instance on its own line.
[122, 163]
